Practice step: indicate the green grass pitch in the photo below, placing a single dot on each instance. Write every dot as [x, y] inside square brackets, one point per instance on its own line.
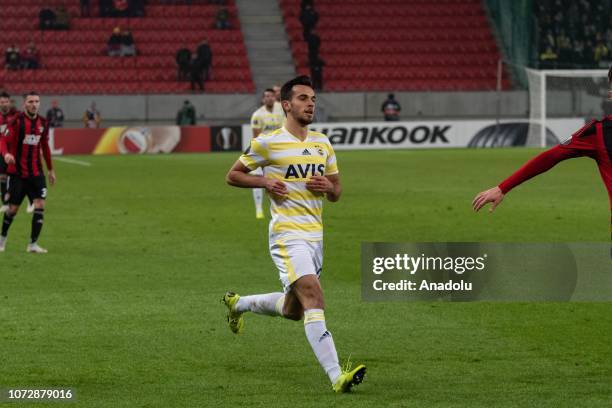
[125, 307]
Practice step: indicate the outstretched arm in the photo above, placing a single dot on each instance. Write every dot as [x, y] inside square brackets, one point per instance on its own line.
[539, 164]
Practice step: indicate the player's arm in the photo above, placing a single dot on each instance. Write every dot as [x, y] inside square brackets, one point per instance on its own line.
[44, 144]
[582, 143]
[329, 185]
[238, 176]
[8, 139]
[256, 126]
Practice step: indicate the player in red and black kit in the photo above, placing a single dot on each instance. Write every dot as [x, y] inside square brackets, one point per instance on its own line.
[594, 140]
[6, 115]
[27, 135]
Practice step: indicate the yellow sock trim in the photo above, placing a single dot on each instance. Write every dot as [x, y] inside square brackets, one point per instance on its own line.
[311, 317]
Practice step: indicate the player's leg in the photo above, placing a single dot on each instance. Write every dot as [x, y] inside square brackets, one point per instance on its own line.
[302, 260]
[16, 195]
[3, 186]
[3, 191]
[258, 194]
[37, 192]
[309, 293]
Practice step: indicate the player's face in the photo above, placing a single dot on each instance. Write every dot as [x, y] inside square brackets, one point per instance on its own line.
[277, 91]
[32, 104]
[302, 104]
[5, 104]
[268, 99]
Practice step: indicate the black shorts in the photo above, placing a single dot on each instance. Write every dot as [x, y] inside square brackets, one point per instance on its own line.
[3, 166]
[33, 187]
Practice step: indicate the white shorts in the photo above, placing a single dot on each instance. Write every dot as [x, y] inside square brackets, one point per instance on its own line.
[296, 258]
[257, 172]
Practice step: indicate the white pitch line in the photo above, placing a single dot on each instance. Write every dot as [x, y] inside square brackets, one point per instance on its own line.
[72, 161]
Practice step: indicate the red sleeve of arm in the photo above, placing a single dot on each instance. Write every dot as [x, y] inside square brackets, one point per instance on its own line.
[3, 148]
[8, 136]
[46, 150]
[539, 164]
[582, 143]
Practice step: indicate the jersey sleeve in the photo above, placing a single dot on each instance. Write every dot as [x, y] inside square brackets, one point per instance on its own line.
[256, 122]
[331, 166]
[256, 155]
[581, 143]
[584, 141]
[44, 144]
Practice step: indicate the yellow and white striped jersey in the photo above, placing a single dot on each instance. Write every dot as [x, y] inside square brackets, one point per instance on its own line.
[285, 157]
[267, 121]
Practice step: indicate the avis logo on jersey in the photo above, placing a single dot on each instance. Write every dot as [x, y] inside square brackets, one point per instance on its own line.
[304, 170]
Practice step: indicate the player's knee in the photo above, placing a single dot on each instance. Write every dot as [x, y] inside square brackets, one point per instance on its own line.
[296, 316]
[3, 177]
[292, 313]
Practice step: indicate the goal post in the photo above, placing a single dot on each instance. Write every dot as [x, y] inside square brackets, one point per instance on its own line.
[563, 94]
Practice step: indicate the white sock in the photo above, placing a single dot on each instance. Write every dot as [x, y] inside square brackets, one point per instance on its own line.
[270, 304]
[258, 197]
[322, 343]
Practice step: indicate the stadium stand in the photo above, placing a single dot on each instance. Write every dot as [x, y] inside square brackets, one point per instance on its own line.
[409, 45]
[574, 34]
[75, 61]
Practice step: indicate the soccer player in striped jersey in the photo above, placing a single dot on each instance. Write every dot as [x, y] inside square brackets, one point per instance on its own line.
[299, 172]
[28, 134]
[593, 140]
[264, 120]
[6, 115]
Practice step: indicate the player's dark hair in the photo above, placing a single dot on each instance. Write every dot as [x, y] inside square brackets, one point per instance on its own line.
[268, 90]
[287, 88]
[5, 94]
[31, 93]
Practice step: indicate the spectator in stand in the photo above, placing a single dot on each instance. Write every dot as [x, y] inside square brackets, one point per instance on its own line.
[62, 18]
[574, 31]
[91, 117]
[31, 57]
[204, 55]
[309, 18]
[314, 43]
[195, 73]
[222, 20]
[106, 8]
[391, 108]
[85, 8]
[186, 116]
[55, 115]
[548, 58]
[316, 73]
[305, 3]
[114, 43]
[127, 48]
[183, 58]
[601, 51]
[47, 19]
[12, 58]
[137, 8]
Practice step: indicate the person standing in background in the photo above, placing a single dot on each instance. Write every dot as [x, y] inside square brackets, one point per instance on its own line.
[55, 115]
[91, 117]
